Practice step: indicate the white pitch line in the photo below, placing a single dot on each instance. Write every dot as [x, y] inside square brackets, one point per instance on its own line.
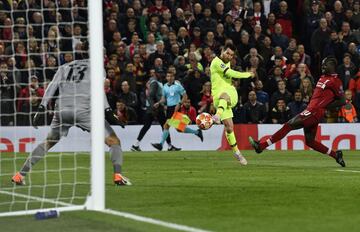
[108, 211]
[35, 198]
[153, 221]
[342, 170]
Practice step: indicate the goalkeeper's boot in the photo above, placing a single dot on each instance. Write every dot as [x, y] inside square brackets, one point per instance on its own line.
[157, 146]
[339, 158]
[121, 180]
[216, 119]
[173, 148]
[135, 148]
[241, 159]
[255, 145]
[18, 179]
[200, 135]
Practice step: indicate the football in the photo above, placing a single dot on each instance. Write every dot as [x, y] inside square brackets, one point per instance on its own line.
[204, 121]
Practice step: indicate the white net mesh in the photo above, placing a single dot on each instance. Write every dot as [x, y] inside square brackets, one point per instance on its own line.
[37, 36]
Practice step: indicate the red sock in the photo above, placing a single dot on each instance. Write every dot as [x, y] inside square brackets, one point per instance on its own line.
[285, 129]
[317, 146]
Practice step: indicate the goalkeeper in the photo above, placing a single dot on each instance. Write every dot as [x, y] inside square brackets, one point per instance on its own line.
[225, 95]
[72, 108]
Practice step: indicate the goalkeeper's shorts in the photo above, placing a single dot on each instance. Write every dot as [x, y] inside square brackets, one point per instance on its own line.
[63, 120]
[228, 113]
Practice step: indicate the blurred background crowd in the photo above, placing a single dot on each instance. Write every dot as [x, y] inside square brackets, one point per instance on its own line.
[283, 41]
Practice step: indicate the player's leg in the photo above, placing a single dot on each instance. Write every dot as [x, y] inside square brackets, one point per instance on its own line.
[222, 103]
[116, 155]
[164, 136]
[148, 119]
[310, 134]
[197, 132]
[230, 136]
[36, 155]
[293, 124]
[162, 120]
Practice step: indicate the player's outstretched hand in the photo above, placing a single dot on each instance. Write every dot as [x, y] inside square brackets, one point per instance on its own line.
[38, 117]
[112, 118]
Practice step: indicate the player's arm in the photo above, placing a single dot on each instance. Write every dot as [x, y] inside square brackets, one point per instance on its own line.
[230, 73]
[338, 91]
[48, 95]
[337, 103]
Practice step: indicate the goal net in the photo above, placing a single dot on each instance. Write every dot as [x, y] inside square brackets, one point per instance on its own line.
[36, 37]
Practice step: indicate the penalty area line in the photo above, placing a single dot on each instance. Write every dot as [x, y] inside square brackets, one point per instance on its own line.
[342, 170]
[153, 221]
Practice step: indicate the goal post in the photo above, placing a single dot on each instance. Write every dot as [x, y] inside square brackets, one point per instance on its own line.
[62, 181]
[97, 198]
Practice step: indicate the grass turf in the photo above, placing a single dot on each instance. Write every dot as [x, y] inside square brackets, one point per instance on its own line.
[277, 191]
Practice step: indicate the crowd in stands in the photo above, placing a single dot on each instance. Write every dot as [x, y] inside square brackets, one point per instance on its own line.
[283, 41]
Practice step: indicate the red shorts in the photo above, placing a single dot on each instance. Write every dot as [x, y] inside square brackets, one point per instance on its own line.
[311, 118]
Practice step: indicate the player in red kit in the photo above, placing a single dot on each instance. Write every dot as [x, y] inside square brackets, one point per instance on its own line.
[328, 94]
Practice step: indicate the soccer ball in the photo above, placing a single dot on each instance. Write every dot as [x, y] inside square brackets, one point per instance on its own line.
[204, 121]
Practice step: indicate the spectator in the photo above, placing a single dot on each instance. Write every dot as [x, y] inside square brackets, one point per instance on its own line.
[304, 58]
[319, 39]
[158, 8]
[266, 50]
[255, 111]
[189, 110]
[207, 23]
[335, 47]
[193, 63]
[261, 95]
[354, 86]
[312, 20]
[183, 38]
[280, 113]
[160, 53]
[125, 114]
[7, 94]
[347, 112]
[127, 95]
[338, 13]
[29, 101]
[109, 93]
[355, 55]
[301, 73]
[297, 105]
[291, 49]
[345, 33]
[278, 38]
[306, 89]
[150, 43]
[285, 19]
[206, 98]
[193, 84]
[281, 93]
[347, 70]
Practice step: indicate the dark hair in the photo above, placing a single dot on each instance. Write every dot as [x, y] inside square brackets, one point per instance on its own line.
[230, 46]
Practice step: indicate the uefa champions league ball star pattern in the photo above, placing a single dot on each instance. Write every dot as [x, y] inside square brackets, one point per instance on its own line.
[204, 121]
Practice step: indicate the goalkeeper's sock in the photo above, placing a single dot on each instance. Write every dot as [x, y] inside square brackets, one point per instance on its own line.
[190, 131]
[232, 142]
[164, 136]
[116, 157]
[36, 155]
[284, 130]
[221, 107]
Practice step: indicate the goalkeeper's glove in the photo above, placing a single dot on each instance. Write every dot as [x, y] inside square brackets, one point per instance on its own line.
[112, 118]
[39, 117]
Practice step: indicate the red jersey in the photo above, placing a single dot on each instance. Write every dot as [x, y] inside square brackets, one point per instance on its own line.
[328, 88]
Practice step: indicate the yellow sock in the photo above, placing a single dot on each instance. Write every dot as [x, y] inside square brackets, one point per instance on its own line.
[232, 141]
[221, 107]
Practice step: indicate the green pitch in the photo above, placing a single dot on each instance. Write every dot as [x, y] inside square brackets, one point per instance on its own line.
[277, 191]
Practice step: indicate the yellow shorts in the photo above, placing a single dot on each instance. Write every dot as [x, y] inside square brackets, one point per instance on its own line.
[228, 113]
